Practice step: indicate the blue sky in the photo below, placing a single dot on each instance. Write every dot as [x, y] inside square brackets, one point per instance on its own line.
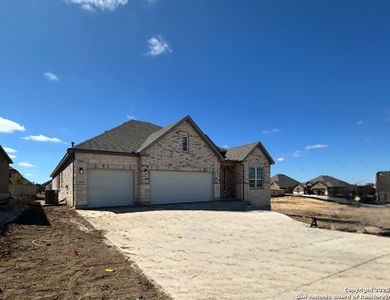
[310, 79]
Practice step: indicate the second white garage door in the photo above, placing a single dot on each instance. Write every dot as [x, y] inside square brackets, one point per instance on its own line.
[108, 188]
[180, 187]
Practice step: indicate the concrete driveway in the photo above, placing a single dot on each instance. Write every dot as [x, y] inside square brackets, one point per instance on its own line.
[224, 254]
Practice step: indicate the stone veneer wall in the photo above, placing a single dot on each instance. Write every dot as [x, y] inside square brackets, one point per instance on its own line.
[167, 154]
[89, 161]
[63, 182]
[258, 197]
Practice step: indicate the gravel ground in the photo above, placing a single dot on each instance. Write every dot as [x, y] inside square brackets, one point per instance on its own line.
[53, 253]
[200, 254]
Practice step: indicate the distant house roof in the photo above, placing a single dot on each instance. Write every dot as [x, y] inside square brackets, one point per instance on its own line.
[329, 181]
[5, 155]
[383, 181]
[283, 181]
[241, 152]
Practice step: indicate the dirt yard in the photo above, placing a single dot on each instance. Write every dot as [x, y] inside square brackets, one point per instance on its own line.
[199, 253]
[330, 215]
[52, 253]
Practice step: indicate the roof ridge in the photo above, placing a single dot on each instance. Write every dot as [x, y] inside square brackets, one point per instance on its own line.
[243, 145]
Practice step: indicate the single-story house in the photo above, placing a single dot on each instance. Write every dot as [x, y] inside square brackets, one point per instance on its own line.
[366, 192]
[46, 185]
[19, 186]
[329, 186]
[299, 189]
[5, 160]
[383, 187]
[283, 182]
[143, 163]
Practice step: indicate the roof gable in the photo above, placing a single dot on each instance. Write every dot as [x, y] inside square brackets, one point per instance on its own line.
[156, 136]
[240, 153]
[5, 155]
[329, 181]
[284, 181]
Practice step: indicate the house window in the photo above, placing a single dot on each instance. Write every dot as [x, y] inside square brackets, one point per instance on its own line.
[255, 177]
[184, 143]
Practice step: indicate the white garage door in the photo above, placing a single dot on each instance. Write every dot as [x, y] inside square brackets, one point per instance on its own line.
[180, 187]
[110, 188]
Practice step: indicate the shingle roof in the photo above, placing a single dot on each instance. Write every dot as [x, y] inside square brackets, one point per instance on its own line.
[284, 181]
[239, 153]
[155, 136]
[383, 181]
[127, 137]
[329, 181]
[134, 136]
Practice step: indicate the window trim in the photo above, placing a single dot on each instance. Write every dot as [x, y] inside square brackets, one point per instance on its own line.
[186, 143]
[258, 181]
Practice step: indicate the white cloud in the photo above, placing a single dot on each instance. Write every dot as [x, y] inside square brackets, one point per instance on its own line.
[42, 138]
[270, 131]
[158, 45]
[26, 164]
[131, 117]
[92, 5]
[359, 123]
[297, 153]
[51, 77]
[316, 146]
[8, 126]
[10, 151]
[280, 159]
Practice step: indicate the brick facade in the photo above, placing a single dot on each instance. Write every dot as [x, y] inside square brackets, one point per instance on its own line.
[258, 197]
[88, 161]
[165, 154]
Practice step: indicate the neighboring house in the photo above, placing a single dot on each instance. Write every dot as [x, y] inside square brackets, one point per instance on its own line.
[366, 192]
[329, 186]
[383, 187]
[5, 160]
[283, 182]
[20, 186]
[142, 163]
[15, 177]
[299, 189]
[46, 186]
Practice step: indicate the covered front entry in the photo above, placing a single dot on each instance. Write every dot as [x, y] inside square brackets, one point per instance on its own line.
[228, 180]
[180, 187]
[108, 188]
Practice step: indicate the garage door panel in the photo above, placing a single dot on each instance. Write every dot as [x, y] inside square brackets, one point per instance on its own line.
[110, 188]
[179, 187]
